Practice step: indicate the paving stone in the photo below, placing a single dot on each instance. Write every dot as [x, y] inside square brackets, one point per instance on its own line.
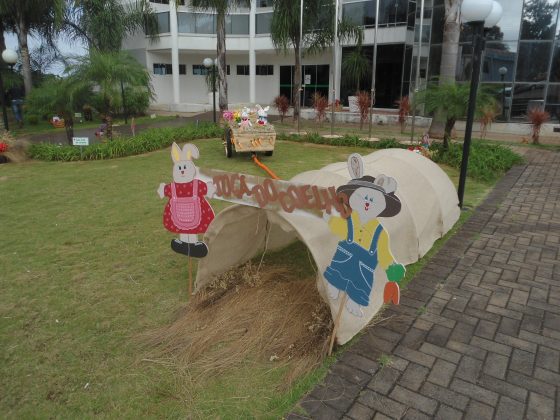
[380, 416]
[491, 346]
[548, 358]
[351, 374]
[540, 407]
[466, 349]
[532, 323]
[442, 373]
[474, 391]
[384, 380]
[522, 361]
[447, 413]
[438, 335]
[529, 383]
[360, 362]
[336, 392]
[509, 409]
[516, 342]
[381, 403]
[502, 387]
[415, 356]
[462, 333]
[547, 376]
[496, 365]
[441, 352]
[444, 395]
[360, 412]
[412, 414]
[319, 410]
[414, 338]
[509, 326]
[486, 329]
[414, 376]
[479, 411]
[414, 399]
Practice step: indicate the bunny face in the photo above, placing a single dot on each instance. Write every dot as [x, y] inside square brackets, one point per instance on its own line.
[368, 202]
[184, 170]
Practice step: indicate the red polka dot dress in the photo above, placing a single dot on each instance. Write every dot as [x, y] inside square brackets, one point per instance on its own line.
[183, 190]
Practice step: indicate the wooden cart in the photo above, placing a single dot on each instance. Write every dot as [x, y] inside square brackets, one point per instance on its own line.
[258, 138]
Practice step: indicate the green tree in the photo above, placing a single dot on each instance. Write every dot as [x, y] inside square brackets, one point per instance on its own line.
[103, 72]
[452, 100]
[62, 96]
[318, 33]
[221, 8]
[355, 66]
[538, 18]
[24, 16]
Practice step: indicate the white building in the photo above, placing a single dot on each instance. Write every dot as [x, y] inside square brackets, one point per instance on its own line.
[256, 71]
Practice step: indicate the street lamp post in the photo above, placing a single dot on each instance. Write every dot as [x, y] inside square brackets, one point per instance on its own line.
[209, 63]
[10, 57]
[503, 71]
[479, 14]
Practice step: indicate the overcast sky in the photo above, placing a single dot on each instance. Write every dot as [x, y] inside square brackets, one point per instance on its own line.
[66, 49]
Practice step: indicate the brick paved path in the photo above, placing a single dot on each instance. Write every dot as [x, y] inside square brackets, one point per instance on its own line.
[477, 334]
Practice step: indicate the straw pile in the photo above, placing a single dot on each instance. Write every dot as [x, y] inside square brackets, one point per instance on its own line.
[248, 315]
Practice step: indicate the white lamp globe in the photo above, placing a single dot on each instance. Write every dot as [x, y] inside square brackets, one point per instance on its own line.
[503, 71]
[476, 10]
[9, 56]
[495, 15]
[208, 62]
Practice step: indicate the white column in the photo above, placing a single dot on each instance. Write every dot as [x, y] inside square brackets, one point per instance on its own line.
[252, 55]
[174, 50]
[337, 50]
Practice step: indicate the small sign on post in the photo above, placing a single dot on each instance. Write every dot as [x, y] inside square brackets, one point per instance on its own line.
[80, 141]
[307, 79]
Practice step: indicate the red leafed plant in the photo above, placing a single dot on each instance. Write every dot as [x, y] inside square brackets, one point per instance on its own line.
[404, 110]
[282, 104]
[3, 147]
[537, 117]
[320, 104]
[364, 102]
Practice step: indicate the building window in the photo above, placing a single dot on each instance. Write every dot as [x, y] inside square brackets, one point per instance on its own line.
[160, 1]
[163, 69]
[243, 70]
[182, 69]
[237, 24]
[163, 22]
[200, 70]
[264, 3]
[263, 21]
[264, 70]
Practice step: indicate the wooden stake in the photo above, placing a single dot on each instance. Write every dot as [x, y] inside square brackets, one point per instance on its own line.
[190, 278]
[337, 320]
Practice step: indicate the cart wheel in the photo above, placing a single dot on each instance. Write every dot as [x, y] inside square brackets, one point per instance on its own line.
[228, 145]
[269, 153]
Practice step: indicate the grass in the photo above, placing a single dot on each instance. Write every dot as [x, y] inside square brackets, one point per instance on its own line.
[86, 267]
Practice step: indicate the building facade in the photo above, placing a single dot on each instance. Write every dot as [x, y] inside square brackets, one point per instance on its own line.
[526, 43]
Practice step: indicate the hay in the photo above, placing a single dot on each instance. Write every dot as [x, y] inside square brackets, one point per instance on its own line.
[16, 148]
[248, 316]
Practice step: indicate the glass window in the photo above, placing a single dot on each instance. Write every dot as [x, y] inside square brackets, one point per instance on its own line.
[464, 63]
[510, 21]
[186, 23]
[553, 101]
[539, 19]
[264, 70]
[243, 70]
[264, 3]
[434, 62]
[205, 23]
[361, 13]
[502, 94]
[392, 12]
[438, 21]
[162, 69]
[411, 14]
[182, 69]
[263, 21]
[499, 55]
[237, 24]
[555, 68]
[526, 97]
[533, 60]
[163, 22]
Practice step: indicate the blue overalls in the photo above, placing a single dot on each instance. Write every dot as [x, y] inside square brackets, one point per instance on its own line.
[352, 267]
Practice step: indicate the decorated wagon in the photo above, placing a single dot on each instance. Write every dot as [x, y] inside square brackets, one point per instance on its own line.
[248, 131]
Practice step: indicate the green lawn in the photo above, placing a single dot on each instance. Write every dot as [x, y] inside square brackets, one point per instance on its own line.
[86, 267]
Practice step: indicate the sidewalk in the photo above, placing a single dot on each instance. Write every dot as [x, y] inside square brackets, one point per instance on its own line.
[477, 334]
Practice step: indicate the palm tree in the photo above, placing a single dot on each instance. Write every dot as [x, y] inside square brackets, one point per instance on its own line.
[355, 66]
[60, 95]
[318, 33]
[220, 7]
[104, 72]
[449, 52]
[24, 16]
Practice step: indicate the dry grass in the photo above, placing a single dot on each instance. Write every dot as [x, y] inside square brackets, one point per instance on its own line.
[245, 316]
[16, 148]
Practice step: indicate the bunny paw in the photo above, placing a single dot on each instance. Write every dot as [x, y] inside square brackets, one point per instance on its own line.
[332, 291]
[354, 308]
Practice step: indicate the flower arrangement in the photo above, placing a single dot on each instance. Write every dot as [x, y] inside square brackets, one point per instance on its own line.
[246, 118]
[421, 150]
[3, 147]
[228, 115]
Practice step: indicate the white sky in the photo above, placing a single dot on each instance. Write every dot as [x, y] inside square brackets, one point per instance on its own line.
[66, 48]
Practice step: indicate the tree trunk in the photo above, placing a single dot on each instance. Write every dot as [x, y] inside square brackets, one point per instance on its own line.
[448, 66]
[296, 97]
[22, 31]
[447, 132]
[69, 127]
[109, 131]
[222, 67]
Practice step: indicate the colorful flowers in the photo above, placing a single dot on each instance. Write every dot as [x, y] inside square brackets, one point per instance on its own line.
[228, 115]
[3, 147]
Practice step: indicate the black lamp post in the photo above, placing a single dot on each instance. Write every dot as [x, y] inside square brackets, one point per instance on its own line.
[209, 63]
[479, 14]
[503, 71]
[10, 57]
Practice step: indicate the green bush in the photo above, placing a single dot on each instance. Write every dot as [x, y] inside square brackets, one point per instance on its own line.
[32, 119]
[346, 140]
[487, 162]
[146, 141]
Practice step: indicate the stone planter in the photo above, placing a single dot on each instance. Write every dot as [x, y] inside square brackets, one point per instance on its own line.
[353, 104]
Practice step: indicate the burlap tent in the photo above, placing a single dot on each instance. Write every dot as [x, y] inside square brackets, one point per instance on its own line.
[429, 210]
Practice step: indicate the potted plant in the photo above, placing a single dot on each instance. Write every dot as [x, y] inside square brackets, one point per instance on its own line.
[355, 67]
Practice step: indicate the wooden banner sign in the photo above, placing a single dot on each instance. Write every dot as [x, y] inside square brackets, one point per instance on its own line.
[270, 194]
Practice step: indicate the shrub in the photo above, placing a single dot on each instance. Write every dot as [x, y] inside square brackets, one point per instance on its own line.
[320, 104]
[404, 111]
[364, 102]
[282, 104]
[488, 115]
[537, 117]
[33, 119]
[347, 140]
[146, 141]
[487, 162]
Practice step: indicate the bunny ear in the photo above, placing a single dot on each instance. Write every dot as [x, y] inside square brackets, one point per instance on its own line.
[175, 152]
[258, 106]
[266, 109]
[190, 151]
[387, 183]
[355, 165]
